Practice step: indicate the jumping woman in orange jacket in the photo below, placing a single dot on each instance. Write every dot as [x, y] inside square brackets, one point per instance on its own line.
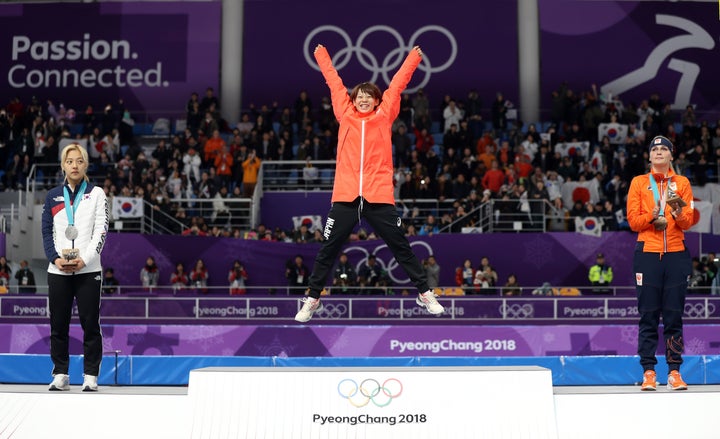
[660, 208]
[363, 185]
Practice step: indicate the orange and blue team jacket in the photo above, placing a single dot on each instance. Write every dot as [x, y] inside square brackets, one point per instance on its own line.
[641, 202]
[364, 165]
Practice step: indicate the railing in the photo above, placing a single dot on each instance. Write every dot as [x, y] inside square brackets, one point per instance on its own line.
[384, 291]
[238, 214]
[288, 175]
[507, 216]
[241, 212]
[355, 309]
[7, 214]
[494, 216]
[364, 291]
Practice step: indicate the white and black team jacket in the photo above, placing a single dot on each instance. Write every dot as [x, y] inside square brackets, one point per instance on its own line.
[91, 220]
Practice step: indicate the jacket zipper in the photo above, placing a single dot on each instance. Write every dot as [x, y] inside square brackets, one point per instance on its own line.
[362, 155]
[663, 187]
[362, 165]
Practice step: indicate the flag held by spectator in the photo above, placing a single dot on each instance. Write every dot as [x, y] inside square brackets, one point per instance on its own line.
[616, 132]
[702, 216]
[590, 225]
[313, 222]
[597, 162]
[573, 149]
[127, 207]
[583, 191]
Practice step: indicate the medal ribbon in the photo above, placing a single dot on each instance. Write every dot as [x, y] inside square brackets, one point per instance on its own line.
[657, 195]
[78, 197]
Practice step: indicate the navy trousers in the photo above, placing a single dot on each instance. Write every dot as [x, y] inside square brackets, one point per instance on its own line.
[661, 284]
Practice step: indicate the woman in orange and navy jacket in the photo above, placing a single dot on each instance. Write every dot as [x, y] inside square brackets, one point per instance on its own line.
[660, 209]
[363, 185]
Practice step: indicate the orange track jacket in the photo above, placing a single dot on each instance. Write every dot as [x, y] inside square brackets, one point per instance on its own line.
[640, 203]
[364, 165]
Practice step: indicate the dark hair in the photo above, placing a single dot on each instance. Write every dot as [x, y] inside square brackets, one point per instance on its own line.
[366, 87]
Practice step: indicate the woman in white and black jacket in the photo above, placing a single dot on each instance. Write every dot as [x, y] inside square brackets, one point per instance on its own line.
[74, 228]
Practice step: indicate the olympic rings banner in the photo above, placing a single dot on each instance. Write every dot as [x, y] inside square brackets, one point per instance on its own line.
[428, 340]
[465, 46]
[633, 49]
[152, 55]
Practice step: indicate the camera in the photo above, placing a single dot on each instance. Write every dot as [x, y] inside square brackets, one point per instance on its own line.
[343, 276]
[422, 181]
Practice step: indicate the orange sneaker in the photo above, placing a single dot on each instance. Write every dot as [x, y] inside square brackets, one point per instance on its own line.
[675, 381]
[649, 380]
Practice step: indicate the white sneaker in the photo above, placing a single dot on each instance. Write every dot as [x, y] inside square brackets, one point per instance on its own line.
[428, 300]
[310, 305]
[60, 381]
[90, 384]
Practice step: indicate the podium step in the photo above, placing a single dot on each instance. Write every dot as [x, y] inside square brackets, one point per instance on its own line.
[372, 402]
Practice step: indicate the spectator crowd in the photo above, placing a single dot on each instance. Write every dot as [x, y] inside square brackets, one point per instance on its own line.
[458, 151]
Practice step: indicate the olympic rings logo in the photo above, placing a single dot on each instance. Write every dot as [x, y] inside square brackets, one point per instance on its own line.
[392, 60]
[698, 309]
[517, 311]
[370, 390]
[332, 311]
[421, 248]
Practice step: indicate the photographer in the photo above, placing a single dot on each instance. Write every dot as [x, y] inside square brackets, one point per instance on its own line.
[237, 278]
[345, 276]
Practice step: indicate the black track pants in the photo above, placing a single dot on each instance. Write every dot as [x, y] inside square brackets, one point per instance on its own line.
[85, 288]
[387, 224]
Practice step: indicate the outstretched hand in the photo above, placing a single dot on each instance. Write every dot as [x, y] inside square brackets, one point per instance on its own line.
[318, 47]
[418, 50]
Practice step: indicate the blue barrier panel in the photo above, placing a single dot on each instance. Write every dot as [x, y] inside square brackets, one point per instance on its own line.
[600, 370]
[37, 369]
[712, 368]
[552, 363]
[27, 368]
[107, 370]
[624, 370]
[175, 370]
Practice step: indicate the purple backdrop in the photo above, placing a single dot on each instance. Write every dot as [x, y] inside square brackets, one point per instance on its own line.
[598, 42]
[559, 258]
[359, 341]
[475, 48]
[173, 46]
[280, 36]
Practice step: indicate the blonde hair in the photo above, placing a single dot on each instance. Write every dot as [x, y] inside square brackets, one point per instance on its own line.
[83, 152]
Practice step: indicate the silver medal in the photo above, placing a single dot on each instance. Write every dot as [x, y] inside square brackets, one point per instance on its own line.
[71, 233]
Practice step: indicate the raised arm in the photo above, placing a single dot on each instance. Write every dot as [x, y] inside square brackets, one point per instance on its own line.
[391, 97]
[338, 91]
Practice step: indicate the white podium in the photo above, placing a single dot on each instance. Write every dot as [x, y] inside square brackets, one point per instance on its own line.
[372, 402]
